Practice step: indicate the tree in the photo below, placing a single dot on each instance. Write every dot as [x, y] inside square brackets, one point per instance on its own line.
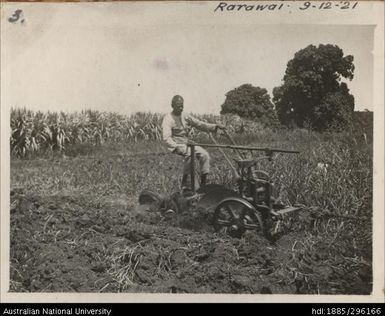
[250, 102]
[312, 94]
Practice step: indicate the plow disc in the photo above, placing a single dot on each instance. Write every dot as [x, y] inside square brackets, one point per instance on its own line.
[153, 202]
[149, 197]
[206, 198]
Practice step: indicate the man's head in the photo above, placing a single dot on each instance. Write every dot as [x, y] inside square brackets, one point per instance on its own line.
[177, 105]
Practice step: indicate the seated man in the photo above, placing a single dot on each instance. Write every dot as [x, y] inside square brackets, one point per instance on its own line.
[176, 126]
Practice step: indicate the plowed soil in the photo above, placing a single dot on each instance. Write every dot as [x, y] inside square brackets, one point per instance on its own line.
[66, 244]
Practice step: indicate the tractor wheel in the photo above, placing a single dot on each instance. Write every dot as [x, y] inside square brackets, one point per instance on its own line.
[235, 215]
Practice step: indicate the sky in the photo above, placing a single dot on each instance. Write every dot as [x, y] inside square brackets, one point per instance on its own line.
[137, 57]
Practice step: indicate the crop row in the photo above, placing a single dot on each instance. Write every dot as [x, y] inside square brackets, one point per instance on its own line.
[33, 132]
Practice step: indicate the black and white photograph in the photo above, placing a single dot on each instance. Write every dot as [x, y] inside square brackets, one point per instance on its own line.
[226, 151]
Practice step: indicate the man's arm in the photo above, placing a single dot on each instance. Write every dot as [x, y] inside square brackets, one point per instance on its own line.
[203, 126]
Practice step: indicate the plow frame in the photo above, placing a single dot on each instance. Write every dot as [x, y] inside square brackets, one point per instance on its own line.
[253, 190]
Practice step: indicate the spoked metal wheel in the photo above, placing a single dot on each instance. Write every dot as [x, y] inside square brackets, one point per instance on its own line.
[235, 215]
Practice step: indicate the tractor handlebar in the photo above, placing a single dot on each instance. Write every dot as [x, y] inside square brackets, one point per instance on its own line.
[268, 151]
